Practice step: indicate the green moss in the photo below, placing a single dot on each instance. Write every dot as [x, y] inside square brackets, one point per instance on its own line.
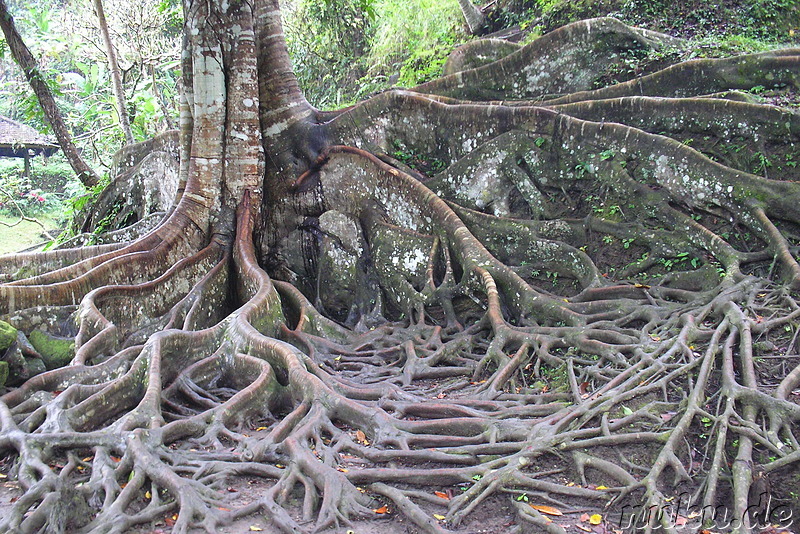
[3, 373]
[8, 335]
[56, 352]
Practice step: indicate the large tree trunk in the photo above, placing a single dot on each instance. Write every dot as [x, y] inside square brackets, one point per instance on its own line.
[116, 77]
[580, 297]
[29, 67]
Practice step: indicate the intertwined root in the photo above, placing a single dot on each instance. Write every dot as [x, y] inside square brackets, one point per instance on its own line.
[577, 312]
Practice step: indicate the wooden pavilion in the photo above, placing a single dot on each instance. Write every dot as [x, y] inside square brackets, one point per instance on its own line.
[20, 141]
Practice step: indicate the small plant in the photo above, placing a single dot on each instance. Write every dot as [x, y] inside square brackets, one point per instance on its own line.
[607, 154]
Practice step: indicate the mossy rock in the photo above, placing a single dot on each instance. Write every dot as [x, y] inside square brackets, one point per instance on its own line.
[8, 335]
[3, 373]
[56, 352]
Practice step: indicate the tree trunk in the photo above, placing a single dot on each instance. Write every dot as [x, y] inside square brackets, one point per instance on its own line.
[165, 107]
[116, 77]
[29, 67]
[473, 16]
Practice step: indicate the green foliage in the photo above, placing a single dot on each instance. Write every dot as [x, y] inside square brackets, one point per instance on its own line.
[72, 61]
[345, 50]
[416, 160]
[43, 192]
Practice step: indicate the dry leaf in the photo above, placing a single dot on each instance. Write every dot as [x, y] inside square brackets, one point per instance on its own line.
[439, 517]
[87, 459]
[280, 466]
[595, 519]
[584, 517]
[169, 521]
[382, 510]
[601, 488]
[441, 495]
[223, 509]
[147, 494]
[585, 529]
[549, 510]
[361, 437]
[680, 521]
[255, 528]
[342, 469]
[259, 429]
[3, 476]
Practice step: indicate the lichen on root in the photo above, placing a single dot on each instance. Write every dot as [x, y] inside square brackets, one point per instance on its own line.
[578, 311]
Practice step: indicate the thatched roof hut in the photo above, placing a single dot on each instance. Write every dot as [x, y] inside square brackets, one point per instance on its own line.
[20, 141]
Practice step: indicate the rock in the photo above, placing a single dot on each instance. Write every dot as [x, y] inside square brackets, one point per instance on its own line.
[8, 335]
[17, 366]
[56, 351]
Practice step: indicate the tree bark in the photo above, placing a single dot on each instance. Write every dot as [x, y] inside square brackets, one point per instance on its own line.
[116, 78]
[474, 17]
[22, 55]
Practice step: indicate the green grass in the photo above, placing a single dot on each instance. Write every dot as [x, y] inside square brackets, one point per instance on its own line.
[23, 235]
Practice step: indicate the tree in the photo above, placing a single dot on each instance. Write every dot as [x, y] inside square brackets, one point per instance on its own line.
[595, 287]
[38, 83]
[116, 76]
[473, 16]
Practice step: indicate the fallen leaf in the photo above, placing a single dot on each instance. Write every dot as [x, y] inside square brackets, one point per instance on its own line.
[223, 509]
[87, 459]
[439, 517]
[680, 521]
[601, 488]
[147, 494]
[549, 510]
[361, 437]
[584, 517]
[585, 529]
[342, 469]
[382, 510]
[259, 429]
[583, 388]
[627, 411]
[254, 528]
[441, 495]
[115, 459]
[169, 521]
[595, 519]
[3, 476]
